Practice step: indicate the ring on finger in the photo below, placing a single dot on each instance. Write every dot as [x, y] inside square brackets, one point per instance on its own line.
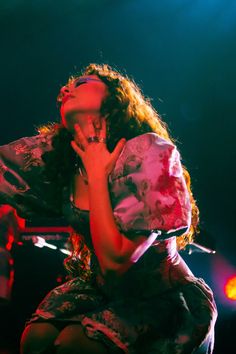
[93, 139]
[96, 139]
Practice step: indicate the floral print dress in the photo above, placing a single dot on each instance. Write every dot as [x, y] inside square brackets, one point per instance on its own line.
[158, 305]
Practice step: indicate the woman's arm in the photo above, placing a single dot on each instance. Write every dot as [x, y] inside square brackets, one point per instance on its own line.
[112, 248]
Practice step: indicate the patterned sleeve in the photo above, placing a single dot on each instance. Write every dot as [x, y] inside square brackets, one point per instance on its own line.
[148, 189]
[21, 183]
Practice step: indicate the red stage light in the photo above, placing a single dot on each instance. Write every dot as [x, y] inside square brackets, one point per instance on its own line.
[230, 288]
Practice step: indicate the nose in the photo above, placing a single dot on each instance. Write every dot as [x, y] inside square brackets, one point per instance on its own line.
[64, 91]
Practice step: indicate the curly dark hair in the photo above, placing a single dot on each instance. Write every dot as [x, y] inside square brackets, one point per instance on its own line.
[129, 113]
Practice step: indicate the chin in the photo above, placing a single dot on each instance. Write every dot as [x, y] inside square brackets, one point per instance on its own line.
[74, 104]
[69, 123]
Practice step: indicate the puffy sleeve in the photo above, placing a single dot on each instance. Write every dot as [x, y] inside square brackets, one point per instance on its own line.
[148, 189]
[22, 184]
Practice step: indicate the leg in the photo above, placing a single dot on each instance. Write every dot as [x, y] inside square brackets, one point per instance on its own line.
[73, 340]
[38, 338]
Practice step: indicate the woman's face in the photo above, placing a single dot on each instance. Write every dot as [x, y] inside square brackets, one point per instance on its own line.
[81, 99]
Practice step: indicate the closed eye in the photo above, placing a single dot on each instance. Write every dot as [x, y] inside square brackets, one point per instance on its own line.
[79, 82]
[84, 80]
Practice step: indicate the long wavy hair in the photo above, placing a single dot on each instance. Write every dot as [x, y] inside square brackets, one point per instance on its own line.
[129, 113]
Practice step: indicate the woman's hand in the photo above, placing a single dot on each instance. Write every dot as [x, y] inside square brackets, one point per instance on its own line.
[97, 160]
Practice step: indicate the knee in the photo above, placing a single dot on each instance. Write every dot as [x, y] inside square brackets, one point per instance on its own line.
[66, 343]
[65, 346]
[38, 338]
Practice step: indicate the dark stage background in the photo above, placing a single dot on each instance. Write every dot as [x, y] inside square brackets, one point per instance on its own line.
[182, 53]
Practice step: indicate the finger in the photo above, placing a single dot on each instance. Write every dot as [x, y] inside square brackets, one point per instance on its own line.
[91, 128]
[103, 132]
[79, 136]
[77, 149]
[118, 149]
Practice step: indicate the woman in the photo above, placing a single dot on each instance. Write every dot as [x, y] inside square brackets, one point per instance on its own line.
[126, 201]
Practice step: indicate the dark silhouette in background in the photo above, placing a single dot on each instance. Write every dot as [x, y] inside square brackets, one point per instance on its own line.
[10, 224]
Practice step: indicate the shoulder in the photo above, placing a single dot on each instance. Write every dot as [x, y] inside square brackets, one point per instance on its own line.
[147, 185]
[143, 143]
[147, 143]
[143, 152]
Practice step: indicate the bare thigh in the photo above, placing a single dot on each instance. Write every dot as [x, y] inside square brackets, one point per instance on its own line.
[38, 338]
